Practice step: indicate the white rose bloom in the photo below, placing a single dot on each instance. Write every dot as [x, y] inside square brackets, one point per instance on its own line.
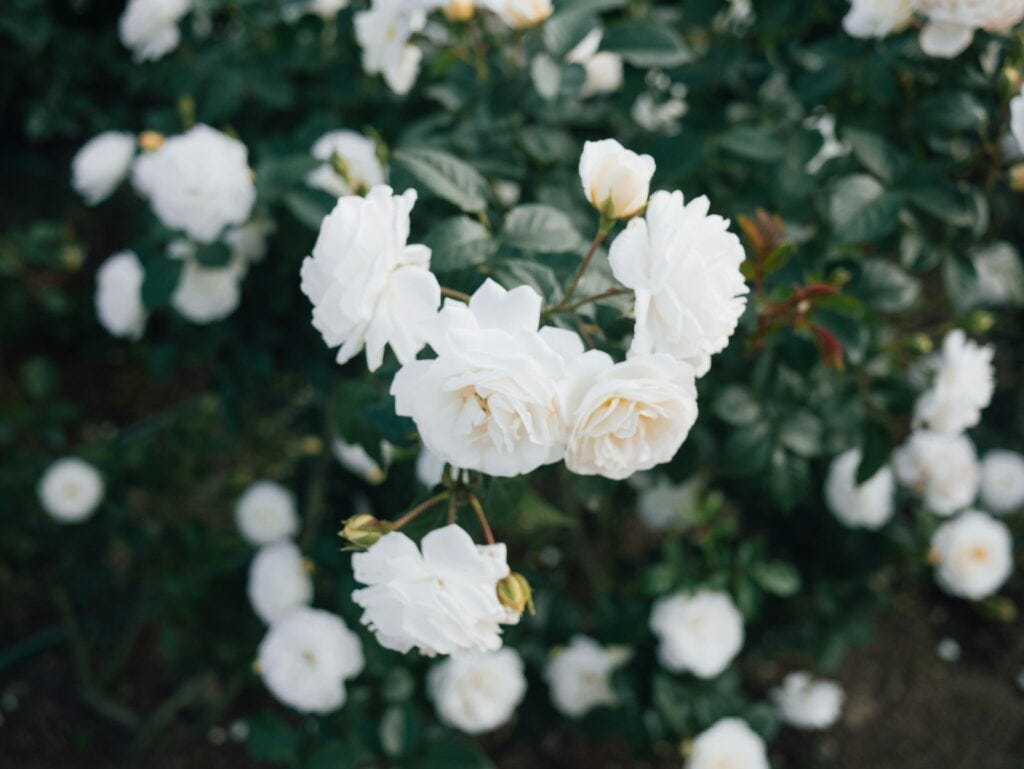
[942, 468]
[118, 296]
[205, 294]
[962, 387]
[101, 164]
[358, 156]
[729, 744]
[441, 601]
[684, 266]
[368, 285]
[357, 461]
[150, 27]
[615, 180]
[198, 182]
[489, 401]
[603, 68]
[629, 416]
[664, 505]
[429, 468]
[521, 14]
[1017, 119]
[878, 18]
[279, 581]
[70, 490]
[265, 513]
[808, 703]
[580, 674]
[327, 9]
[306, 657]
[478, 692]
[383, 33]
[951, 23]
[867, 506]
[700, 632]
[973, 555]
[1002, 481]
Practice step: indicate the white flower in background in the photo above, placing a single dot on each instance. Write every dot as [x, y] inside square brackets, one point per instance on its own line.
[1002, 481]
[357, 157]
[507, 192]
[629, 416]
[950, 24]
[615, 180]
[205, 294]
[383, 33]
[603, 68]
[521, 14]
[198, 182]
[729, 744]
[441, 601]
[737, 16]
[101, 164]
[306, 657]
[664, 505]
[878, 18]
[942, 468]
[150, 27]
[248, 242]
[700, 632]
[962, 386]
[357, 461]
[659, 116]
[478, 692]
[808, 703]
[327, 9]
[1000, 272]
[868, 505]
[580, 675]
[429, 468]
[279, 581]
[973, 555]
[831, 147]
[368, 285]
[1017, 119]
[70, 490]
[684, 267]
[489, 400]
[265, 513]
[118, 296]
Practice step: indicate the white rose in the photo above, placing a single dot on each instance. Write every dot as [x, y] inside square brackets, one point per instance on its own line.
[615, 180]
[951, 23]
[579, 675]
[198, 182]
[868, 505]
[441, 601]
[700, 632]
[358, 157]
[327, 9]
[629, 416]
[150, 27]
[603, 68]
[489, 401]
[729, 744]
[70, 490]
[943, 468]
[664, 505]
[368, 286]
[684, 266]
[1002, 481]
[478, 692]
[383, 33]
[962, 386]
[118, 296]
[265, 513]
[808, 703]
[205, 294]
[973, 555]
[878, 18]
[1017, 119]
[521, 14]
[101, 164]
[357, 461]
[278, 581]
[306, 657]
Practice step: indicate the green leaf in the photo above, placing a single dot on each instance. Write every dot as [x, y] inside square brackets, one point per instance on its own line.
[548, 145]
[540, 228]
[270, 738]
[960, 278]
[453, 753]
[1000, 274]
[458, 243]
[735, 405]
[876, 154]
[789, 479]
[885, 286]
[875, 448]
[444, 175]
[947, 202]
[752, 143]
[161, 278]
[334, 755]
[309, 206]
[860, 209]
[950, 112]
[777, 577]
[801, 432]
[645, 44]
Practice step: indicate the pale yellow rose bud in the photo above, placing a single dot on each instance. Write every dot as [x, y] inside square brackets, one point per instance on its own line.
[364, 530]
[1017, 177]
[615, 180]
[459, 10]
[514, 592]
[150, 141]
[523, 14]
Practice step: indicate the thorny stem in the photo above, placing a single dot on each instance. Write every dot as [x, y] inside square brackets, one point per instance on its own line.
[602, 230]
[563, 307]
[479, 510]
[460, 295]
[421, 507]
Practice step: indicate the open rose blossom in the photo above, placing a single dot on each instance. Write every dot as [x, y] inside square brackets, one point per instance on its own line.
[118, 297]
[70, 490]
[383, 33]
[973, 555]
[807, 702]
[478, 692]
[101, 165]
[878, 18]
[951, 24]
[1002, 481]
[615, 180]
[868, 505]
[266, 513]
[962, 386]
[700, 632]
[580, 675]
[729, 744]
[279, 581]
[150, 27]
[941, 468]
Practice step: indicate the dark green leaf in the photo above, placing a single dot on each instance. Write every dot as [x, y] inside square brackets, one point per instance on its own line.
[444, 175]
[458, 243]
[540, 228]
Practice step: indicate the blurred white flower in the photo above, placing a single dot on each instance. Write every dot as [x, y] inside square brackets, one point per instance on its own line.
[948, 649]
[615, 180]
[306, 657]
[327, 9]
[659, 116]
[357, 461]
[950, 24]
[942, 468]
[1017, 119]
[118, 296]
[973, 555]
[279, 581]
[477, 692]
[521, 14]
[357, 157]
[1002, 481]
[684, 266]
[198, 182]
[368, 285]
[507, 192]
[878, 18]
[831, 147]
[441, 601]
[729, 744]
[868, 505]
[101, 164]
[699, 632]
[962, 386]
[603, 68]
[205, 294]
[664, 505]
[265, 513]
[429, 468]
[70, 490]
[150, 27]
[579, 675]
[383, 33]
[808, 703]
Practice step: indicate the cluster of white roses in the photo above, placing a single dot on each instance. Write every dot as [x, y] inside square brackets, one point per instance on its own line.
[949, 25]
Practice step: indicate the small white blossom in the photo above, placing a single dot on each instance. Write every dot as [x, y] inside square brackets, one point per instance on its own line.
[478, 692]
[521, 14]
[327, 9]
[664, 505]
[383, 33]
[729, 744]
[868, 505]
[101, 164]
[279, 581]
[962, 386]
[808, 703]
[150, 27]
[579, 675]
[1002, 481]
[603, 68]
[356, 154]
[948, 649]
[700, 632]
[950, 24]
[615, 180]
[205, 294]
[118, 296]
[1017, 119]
[973, 555]
[942, 468]
[878, 18]
[70, 490]
[265, 513]
[357, 461]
